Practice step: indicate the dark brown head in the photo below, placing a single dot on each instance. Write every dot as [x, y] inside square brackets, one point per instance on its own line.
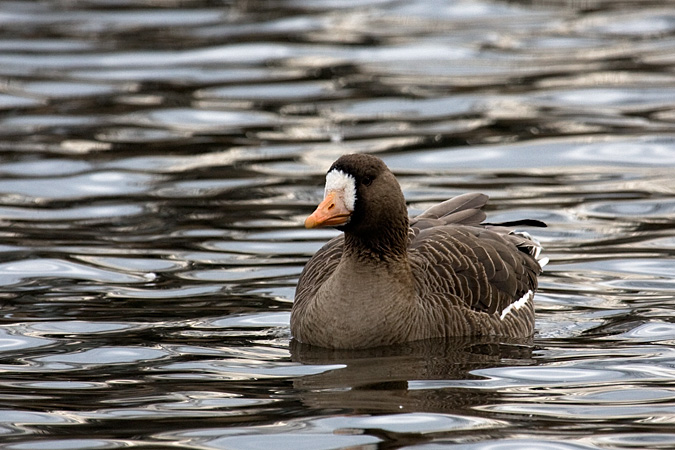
[363, 199]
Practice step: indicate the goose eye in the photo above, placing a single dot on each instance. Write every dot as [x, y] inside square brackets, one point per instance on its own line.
[367, 181]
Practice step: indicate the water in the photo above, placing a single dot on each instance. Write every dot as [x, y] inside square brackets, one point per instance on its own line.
[157, 160]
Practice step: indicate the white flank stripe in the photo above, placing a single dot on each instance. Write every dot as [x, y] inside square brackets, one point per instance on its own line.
[344, 184]
[517, 304]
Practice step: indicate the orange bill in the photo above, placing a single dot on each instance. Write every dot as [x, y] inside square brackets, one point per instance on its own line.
[331, 212]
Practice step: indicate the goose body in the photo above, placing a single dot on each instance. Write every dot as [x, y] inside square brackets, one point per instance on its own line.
[388, 279]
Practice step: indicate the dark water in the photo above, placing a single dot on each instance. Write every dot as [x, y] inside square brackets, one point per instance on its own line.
[157, 162]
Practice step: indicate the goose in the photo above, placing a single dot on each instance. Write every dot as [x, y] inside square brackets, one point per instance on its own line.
[387, 279]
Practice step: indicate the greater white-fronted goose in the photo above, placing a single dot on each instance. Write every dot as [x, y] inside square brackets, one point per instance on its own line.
[388, 279]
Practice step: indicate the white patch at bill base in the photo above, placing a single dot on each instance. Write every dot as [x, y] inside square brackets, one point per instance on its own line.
[517, 304]
[344, 185]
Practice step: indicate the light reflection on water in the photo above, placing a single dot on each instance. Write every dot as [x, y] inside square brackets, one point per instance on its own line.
[157, 163]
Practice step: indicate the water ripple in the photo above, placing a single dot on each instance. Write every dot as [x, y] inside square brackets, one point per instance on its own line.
[12, 340]
[17, 272]
[90, 185]
[101, 356]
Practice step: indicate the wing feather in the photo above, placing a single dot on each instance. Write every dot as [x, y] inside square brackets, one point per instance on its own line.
[487, 267]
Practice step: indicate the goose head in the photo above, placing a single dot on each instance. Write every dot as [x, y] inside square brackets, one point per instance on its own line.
[361, 197]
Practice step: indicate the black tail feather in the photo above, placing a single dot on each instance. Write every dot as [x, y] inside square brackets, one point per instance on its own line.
[519, 223]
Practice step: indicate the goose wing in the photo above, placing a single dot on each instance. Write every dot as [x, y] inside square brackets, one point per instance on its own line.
[488, 267]
[464, 209]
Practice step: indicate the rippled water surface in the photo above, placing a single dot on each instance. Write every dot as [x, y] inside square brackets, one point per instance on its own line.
[157, 160]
